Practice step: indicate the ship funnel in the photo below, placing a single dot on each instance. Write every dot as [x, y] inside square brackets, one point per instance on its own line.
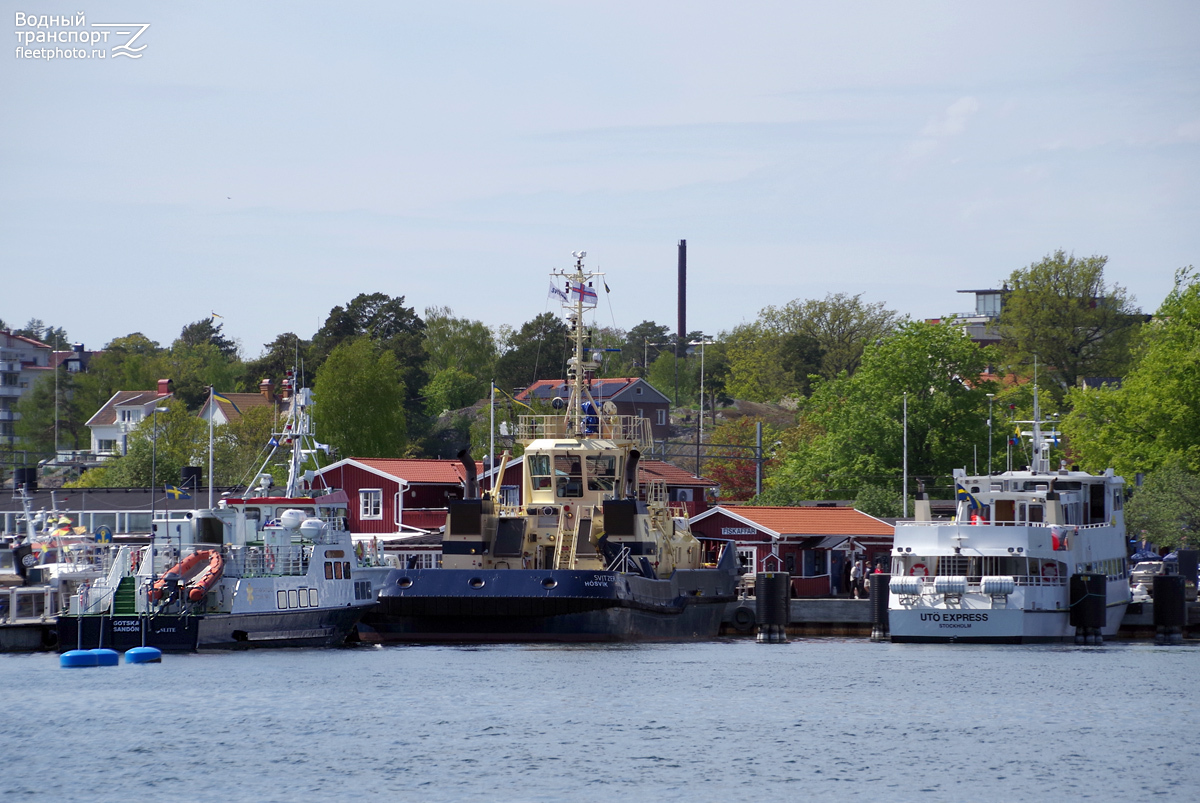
[472, 487]
[631, 466]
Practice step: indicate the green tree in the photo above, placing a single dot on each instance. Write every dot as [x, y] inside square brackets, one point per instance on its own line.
[390, 325]
[452, 389]
[204, 332]
[1153, 416]
[1166, 509]
[54, 337]
[38, 408]
[643, 344]
[285, 353]
[1061, 312]
[195, 368]
[879, 501]
[852, 427]
[466, 345]
[359, 401]
[538, 350]
[240, 446]
[767, 366]
[132, 362]
[840, 325]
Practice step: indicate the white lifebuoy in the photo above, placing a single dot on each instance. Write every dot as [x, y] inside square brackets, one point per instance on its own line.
[922, 567]
[1049, 571]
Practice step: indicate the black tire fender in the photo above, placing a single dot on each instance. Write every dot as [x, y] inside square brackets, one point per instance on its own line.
[743, 619]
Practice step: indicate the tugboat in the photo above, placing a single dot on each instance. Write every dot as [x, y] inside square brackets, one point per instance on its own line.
[1032, 555]
[260, 570]
[584, 557]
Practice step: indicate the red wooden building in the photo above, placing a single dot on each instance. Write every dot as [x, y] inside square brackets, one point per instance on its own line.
[396, 496]
[813, 544]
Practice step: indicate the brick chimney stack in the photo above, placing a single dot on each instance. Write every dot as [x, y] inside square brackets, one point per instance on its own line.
[164, 387]
[267, 390]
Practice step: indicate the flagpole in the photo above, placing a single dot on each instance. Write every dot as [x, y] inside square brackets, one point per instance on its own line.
[492, 435]
[211, 402]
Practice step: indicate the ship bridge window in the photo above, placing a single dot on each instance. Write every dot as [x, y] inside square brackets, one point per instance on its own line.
[601, 472]
[539, 470]
[568, 472]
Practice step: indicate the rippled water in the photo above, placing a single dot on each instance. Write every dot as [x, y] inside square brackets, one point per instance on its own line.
[718, 721]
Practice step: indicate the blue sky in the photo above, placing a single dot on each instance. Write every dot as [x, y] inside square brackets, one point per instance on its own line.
[267, 161]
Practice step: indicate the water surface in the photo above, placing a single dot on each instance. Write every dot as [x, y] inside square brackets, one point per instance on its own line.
[715, 721]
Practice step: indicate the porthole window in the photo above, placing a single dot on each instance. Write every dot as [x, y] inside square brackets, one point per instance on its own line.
[293, 599]
[312, 597]
[281, 600]
[328, 570]
[303, 595]
[346, 570]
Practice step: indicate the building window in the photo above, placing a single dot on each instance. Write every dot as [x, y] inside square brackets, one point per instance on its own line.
[662, 418]
[106, 445]
[639, 390]
[370, 504]
[130, 416]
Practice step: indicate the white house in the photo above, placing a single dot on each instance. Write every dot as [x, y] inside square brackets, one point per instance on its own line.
[120, 415]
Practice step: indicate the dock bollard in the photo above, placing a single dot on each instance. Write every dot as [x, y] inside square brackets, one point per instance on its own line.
[880, 625]
[1170, 610]
[1088, 607]
[772, 604]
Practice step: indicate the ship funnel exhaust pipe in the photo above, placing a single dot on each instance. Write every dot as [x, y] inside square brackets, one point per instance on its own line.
[472, 487]
[631, 474]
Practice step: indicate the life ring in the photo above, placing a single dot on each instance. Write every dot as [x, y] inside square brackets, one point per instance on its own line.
[922, 567]
[743, 619]
[1049, 571]
[269, 558]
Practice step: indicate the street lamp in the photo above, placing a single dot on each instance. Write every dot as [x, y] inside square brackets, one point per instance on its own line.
[154, 464]
[702, 342]
[990, 397]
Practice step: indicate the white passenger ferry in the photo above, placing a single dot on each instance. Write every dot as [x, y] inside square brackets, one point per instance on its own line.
[1001, 570]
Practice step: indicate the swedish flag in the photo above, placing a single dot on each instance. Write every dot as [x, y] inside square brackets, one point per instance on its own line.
[962, 494]
[177, 493]
[227, 400]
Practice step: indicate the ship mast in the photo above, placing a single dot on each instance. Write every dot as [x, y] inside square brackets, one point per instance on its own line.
[577, 296]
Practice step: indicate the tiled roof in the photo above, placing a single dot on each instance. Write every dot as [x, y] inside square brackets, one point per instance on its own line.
[122, 398]
[812, 520]
[603, 388]
[673, 475]
[244, 401]
[446, 472]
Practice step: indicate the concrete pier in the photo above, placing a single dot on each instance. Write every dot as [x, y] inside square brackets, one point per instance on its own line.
[852, 617]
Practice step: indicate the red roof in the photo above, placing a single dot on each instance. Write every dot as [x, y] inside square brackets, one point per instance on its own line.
[442, 472]
[673, 475]
[809, 520]
[601, 388]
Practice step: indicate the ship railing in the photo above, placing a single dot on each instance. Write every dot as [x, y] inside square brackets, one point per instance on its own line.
[266, 561]
[975, 582]
[623, 562]
[610, 427]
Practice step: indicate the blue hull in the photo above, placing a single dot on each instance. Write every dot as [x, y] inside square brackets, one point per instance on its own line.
[466, 605]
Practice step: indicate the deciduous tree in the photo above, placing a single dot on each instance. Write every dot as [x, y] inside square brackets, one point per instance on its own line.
[1061, 312]
[853, 429]
[359, 401]
[1153, 417]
